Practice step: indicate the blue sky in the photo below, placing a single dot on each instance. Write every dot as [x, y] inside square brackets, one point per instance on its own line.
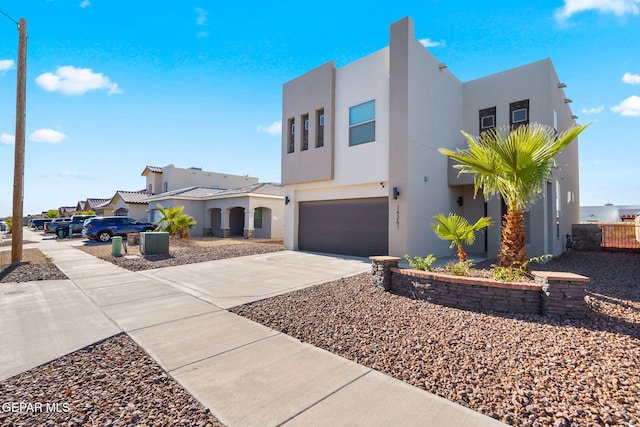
[114, 86]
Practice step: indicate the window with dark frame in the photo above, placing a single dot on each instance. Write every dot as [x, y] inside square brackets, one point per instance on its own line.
[292, 133]
[362, 123]
[320, 128]
[519, 113]
[305, 132]
[487, 119]
[257, 218]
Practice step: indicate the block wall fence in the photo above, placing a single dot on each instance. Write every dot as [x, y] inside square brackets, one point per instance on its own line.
[552, 293]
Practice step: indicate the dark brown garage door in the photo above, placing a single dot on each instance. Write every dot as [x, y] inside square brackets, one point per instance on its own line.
[351, 227]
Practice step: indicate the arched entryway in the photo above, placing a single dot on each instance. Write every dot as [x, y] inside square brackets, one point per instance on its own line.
[216, 222]
[236, 222]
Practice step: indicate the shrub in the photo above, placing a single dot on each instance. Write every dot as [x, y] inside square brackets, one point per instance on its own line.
[461, 268]
[420, 263]
[517, 270]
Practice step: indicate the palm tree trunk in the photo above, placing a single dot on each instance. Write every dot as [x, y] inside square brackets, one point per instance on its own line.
[513, 245]
[462, 255]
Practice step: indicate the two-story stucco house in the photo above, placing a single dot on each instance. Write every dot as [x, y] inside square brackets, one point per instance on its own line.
[360, 161]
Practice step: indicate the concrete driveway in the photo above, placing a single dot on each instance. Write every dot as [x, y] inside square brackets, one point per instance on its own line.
[235, 281]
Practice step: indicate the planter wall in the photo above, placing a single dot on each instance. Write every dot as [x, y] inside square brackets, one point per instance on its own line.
[557, 294]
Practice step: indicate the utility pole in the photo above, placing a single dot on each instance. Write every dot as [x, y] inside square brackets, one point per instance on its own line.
[18, 166]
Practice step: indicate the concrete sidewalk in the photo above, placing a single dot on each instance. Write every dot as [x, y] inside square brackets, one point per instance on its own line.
[244, 372]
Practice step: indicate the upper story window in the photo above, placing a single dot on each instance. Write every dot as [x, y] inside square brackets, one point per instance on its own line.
[166, 186]
[519, 113]
[292, 135]
[487, 119]
[320, 128]
[305, 132]
[362, 123]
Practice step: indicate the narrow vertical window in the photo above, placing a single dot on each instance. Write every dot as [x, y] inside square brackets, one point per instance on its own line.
[519, 113]
[362, 123]
[320, 128]
[305, 132]
[292, 135]
[487, 119]
[257, 218]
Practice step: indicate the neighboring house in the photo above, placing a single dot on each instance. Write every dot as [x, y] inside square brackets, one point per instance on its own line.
[609, 213]
[66, 211]
[170, 178]
[252, 211]
[360, 161]
[100, 206]
[130, 203]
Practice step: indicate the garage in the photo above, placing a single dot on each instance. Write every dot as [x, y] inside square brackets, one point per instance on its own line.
[357, 227]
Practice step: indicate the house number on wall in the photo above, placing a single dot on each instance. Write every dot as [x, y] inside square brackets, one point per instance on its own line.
[398, 217]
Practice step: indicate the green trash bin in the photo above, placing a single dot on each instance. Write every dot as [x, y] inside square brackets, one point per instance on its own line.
[61, 233]
[116, 246]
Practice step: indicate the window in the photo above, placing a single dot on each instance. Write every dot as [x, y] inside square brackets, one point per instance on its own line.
[519, 113]
[151, 188]
[292, 135]
[305, 132]
[320, 128]
[166, 186]
[487, 119]
[362, 123]
[257, 218]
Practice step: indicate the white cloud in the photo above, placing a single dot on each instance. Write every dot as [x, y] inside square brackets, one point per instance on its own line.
[274, 128]
[594, 110]
[85, 3]
[631, 79]
[202, 16]
[617, 7]
[5, 138]
[48, 136]
[76, 174]
[432, 43]
[70, 80]
[629, 107]
[5, 65]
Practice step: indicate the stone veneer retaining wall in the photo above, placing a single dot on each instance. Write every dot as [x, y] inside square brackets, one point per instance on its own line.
[586, 237]
[557, 294]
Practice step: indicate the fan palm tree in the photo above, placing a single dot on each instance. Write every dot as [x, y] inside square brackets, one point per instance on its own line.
[514, 163]
[174, 221]
[458, 230]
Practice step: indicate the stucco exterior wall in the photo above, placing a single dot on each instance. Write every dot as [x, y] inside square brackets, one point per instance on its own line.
[307, 94]
[435, 111]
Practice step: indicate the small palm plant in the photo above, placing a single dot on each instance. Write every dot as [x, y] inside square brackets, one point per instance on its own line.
[458, 230]
[174, 221]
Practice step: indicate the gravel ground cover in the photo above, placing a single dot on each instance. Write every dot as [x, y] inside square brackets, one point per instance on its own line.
[185, 251]
[523, 370]
[111, 383]
[36, 267]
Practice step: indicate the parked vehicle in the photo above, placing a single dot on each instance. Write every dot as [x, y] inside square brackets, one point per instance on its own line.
[73, 226]
[51, 227]
[104, 228]
[38, 224]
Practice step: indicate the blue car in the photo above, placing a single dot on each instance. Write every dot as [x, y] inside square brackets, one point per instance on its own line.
[103, 228]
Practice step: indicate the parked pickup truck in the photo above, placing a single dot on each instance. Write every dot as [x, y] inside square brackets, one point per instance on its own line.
[51, 227]
[74, 226]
